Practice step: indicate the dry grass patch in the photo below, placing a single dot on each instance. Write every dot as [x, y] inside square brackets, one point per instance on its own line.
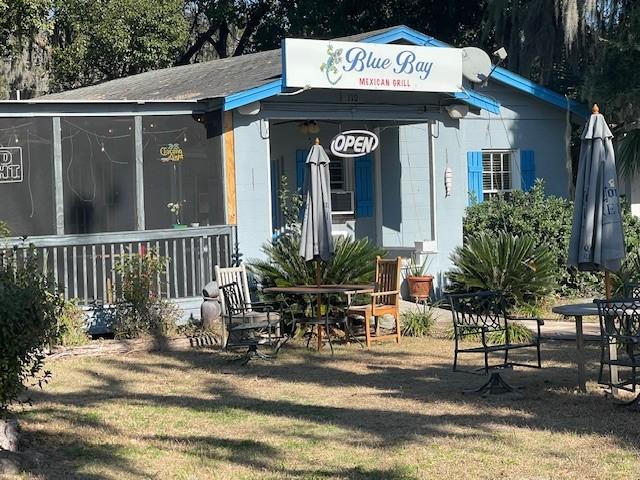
[393, 413]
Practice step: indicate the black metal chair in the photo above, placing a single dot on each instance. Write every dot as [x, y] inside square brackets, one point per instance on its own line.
[482, 315]
[631, 290]
[250, 324]
[620, 343]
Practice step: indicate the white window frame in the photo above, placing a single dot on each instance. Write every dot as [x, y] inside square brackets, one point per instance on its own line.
[514, 166]
[349, 186]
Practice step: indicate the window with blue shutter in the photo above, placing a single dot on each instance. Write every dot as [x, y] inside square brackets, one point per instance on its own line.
[474, 175]
[363, 173]
[527, 169]
[301, 159]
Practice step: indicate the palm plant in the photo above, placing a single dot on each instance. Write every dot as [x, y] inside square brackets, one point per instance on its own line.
[503, 262]
[353, 262]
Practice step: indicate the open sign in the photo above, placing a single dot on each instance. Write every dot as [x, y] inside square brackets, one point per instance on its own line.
[354, 143]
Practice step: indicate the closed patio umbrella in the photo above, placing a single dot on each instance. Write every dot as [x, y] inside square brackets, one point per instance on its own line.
[316, 242]
[597, 238]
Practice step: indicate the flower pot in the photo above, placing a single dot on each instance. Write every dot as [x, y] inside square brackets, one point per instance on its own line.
[178, 225]
[420, 287]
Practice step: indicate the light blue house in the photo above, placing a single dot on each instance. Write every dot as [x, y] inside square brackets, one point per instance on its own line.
[92, 171]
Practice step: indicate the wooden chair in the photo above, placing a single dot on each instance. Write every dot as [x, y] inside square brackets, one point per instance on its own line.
[237, 275]
[385, 299]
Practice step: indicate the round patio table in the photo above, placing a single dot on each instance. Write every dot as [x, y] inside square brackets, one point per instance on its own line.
[578, 310]
[318, 291]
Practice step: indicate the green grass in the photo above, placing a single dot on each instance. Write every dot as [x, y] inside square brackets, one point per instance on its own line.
[394, 413]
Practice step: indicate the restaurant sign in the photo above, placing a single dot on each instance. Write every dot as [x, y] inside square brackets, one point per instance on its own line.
[11, 165]
[370, 66]
[354, 143]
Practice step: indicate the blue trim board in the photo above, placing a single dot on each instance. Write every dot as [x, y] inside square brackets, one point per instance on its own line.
[473, 98]
[245, 97]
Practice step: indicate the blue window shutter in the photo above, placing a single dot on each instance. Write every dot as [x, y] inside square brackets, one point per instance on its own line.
[363, 169]
[474, 172]
[301, 159]
[527, 169]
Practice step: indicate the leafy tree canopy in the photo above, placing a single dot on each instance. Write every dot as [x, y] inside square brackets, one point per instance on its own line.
[99, 40]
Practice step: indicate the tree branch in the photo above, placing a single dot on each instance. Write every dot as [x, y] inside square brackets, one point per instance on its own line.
[252, 25]
[197, 45]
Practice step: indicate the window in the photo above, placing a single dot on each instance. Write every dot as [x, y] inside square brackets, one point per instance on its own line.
[342, 196]
[183, 168]
[26, 175]
[496, 173]
[98, 166]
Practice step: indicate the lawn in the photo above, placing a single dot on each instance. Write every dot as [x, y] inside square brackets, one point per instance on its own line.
[395, 412]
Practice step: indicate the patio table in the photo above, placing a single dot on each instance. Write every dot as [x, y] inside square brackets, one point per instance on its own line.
[579, 310]
[318, 291]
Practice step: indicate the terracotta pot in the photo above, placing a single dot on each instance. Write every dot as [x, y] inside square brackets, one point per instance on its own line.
[420, 287]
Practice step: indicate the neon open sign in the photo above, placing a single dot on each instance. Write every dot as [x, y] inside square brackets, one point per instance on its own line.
[354, 143]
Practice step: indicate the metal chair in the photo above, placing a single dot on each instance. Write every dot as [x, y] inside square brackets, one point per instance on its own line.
[620, 343]
[385, 299]
[480, 315]
[251, 327]
[631, 290]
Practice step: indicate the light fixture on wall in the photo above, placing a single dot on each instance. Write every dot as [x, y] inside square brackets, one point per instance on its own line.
[252, 108]
[448, 181]
[309, 126]
[457, 111]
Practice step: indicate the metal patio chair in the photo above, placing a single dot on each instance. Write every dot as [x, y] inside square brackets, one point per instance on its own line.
[620, 343]
[480, 315]
[631, 290]
[250, 325]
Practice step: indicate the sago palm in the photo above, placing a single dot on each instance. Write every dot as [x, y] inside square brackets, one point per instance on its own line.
[506, 263]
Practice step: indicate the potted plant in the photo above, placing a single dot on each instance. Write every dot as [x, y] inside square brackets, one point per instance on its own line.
[174, 208]
[420, 283]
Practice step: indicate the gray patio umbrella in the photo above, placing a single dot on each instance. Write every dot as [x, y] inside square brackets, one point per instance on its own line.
[316, 242]
[597, 238]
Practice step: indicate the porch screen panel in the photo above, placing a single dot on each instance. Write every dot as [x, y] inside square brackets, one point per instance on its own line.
[26, 176]
[98, 168]
[183, 172]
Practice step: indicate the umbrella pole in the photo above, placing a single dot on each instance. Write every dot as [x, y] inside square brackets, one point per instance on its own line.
[319, 304]
[607, 285]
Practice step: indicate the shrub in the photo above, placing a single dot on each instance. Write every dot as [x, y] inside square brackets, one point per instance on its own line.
[547, 219]
[515, 266]
[417, 323]
[71, 325]
[518, 333]
[29, 309]
[353, 262]
[139, 308]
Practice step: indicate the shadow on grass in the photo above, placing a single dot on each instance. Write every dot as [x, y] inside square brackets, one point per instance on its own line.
[396, 374]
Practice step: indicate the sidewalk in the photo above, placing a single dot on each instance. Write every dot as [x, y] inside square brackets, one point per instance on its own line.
[552, 329]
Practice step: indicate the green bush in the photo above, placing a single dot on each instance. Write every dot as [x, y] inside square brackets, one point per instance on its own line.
[417, 323]
[515, 266]
[547, 219]
[518, 333]
[72, 330]
[29, 310]
[139, 309]
[353, 262]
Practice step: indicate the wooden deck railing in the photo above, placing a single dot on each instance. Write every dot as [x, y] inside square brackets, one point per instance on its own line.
[83, 265]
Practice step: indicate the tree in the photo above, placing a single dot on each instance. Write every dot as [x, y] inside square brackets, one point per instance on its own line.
[98, 40]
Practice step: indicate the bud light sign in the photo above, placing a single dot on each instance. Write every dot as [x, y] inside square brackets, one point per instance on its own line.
[354, 143]
[11, 165]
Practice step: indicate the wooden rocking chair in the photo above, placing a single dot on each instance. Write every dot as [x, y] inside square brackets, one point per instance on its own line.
[385, 299]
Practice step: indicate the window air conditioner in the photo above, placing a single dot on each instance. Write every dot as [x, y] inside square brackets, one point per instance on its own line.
[342, 203]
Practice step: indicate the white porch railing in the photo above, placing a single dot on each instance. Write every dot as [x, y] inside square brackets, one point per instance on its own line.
[83, 265]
